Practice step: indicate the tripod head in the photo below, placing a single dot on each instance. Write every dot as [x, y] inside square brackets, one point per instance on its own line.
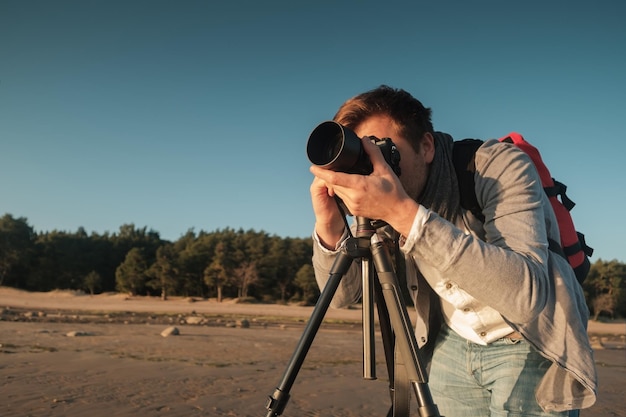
[365, 227]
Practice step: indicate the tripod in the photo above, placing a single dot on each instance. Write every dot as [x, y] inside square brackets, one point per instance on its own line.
[393, 316]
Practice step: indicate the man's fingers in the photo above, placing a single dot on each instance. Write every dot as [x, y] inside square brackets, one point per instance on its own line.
[373, 151]
[330, 177]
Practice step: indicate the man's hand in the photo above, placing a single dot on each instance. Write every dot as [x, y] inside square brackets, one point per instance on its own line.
[329, 223]
[378, 196]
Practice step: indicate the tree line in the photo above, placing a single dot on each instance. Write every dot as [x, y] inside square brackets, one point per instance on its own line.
[221, 264]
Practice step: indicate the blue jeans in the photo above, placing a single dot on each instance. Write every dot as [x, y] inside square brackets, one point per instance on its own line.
[467, 379]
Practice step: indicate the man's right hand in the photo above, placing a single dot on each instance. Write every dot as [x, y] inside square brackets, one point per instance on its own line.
[329, 223]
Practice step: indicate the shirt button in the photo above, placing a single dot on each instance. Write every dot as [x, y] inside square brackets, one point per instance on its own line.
[466, 309]
[483, 334]
[448, 285]
[414, 287]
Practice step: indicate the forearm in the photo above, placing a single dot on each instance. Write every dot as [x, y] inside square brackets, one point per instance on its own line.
[511, 280]
[349, 289]
[329, 234]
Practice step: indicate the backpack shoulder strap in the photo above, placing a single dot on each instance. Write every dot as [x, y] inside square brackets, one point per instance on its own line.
[463, 153]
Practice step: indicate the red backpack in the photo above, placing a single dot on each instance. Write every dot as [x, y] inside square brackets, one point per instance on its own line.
[573, 246]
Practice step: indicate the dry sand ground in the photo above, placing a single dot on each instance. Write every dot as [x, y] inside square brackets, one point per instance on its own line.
[120, 365]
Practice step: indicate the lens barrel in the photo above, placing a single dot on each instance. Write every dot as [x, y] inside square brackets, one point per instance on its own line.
[335, 147]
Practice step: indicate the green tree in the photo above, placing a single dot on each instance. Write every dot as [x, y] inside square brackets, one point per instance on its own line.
[192, 259]
[164, 271]
[605, 288]
[245, 275]
[305, 281]
[16, 246]
[219, 272]
[278, 267]
[130, 276]
[93, 282]
[64, 260]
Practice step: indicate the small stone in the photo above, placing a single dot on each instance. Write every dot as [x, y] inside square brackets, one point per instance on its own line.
[194, 320]
[170, 331]
[596, 343]
[76, 333]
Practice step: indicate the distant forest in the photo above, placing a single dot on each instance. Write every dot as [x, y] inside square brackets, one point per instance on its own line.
[226, 263]
[220, 264]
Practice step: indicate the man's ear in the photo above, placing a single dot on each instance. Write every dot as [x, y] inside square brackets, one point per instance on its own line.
[427, 147]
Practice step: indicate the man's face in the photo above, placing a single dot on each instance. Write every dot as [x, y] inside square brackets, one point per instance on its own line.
[413, 165]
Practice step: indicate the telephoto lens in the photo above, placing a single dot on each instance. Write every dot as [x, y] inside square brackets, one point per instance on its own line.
[335, 147]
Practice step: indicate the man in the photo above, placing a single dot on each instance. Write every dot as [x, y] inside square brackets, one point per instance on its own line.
[513, 336]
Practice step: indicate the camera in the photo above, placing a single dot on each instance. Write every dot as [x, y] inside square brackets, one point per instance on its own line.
[335, 147]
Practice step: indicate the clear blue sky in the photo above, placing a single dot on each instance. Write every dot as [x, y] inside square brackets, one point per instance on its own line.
[195, 114]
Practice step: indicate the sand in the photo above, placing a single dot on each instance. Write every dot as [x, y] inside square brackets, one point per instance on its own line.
[70, 354]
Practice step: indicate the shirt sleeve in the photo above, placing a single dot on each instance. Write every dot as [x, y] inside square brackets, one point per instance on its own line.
[507, 270]
[349, 289]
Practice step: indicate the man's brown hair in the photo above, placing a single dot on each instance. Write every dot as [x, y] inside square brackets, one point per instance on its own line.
[412, 118]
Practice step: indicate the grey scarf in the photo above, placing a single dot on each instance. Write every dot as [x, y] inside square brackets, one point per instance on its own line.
[441, 193]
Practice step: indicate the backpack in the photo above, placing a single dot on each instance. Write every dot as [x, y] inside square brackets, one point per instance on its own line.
[573, 247]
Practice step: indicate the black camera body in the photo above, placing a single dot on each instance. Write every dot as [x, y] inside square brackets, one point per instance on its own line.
[335, 147]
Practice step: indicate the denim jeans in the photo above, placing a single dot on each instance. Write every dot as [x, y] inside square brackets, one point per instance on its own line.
[471, 380]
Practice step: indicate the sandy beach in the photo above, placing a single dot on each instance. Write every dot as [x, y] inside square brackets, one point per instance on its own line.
[70, 354]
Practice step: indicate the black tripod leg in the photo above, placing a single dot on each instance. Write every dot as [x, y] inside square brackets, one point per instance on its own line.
[278, 400]
[401, 324]
[387, 339]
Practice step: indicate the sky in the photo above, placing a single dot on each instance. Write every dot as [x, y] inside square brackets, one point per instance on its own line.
[179, 115]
